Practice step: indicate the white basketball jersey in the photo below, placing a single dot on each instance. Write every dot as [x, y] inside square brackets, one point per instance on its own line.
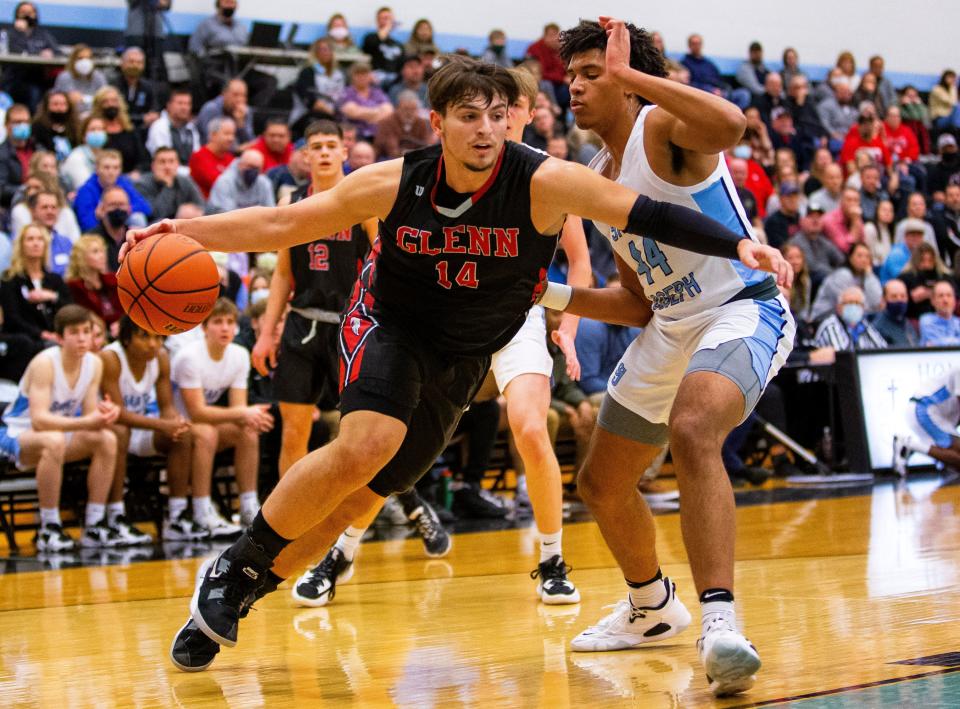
[943, 394]
[64, 399]
[680, 283]
[139, 397]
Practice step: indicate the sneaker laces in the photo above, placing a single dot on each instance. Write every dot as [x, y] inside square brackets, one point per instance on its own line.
[428, 524]
[553, 569]
[326, 569]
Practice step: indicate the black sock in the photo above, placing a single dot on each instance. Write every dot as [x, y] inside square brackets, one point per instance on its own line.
[272, 582]
[641, 584]
[263, 535]
[716, 594]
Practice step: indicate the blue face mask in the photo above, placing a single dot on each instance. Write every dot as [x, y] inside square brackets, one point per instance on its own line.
[744, 152]
[20, 131]
[851, 314]
[97, 138]
[897, 311]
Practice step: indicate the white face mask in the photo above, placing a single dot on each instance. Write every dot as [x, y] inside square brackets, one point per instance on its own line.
[84, 66]
[339, 33]
[259, 294]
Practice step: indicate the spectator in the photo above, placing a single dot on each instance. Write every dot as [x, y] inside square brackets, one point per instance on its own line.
[24, 82]
[138, 93]
[139, 14]
[866, 138]
[784, 136]
[822, 158]
[917, 210]
[756, 181]
[496, 51]
[91, 284]
[202, 372]
[867, 92]
[916, 117]
[771, 98]
[386, 53]
[64, 219]
[804, 111]
[31, 294]
[858, 272]
[800, 295]
[421, 39]
[946, 224]
[56, 127]
[411, 79]
[901, 252]
[231, 103]
[339, 34]
[838, 113]
[363, 103]
[243, 184]
[739, 173]
[320, 85]
[752, 74]
[45, 207]
[80, 80]
[847, 329]
[208, 163]
[82, 160]
[113, 213]
[165, 188]
[758, 136]
[941, 328]
[107, 175]
[541, 130]
[546, 51]
[558, 147]
[217, 32]
[175, 129]
[785, 222]
[888, 94]
[901, 141]
[109, 105]
[844, 226]
[871, 193]
[705, 75]
[791, 66]
[820, 255]
[847, 74]
[945, 170]
[287, 178]
[404, 130]
[274, 143]
[830, 194]
[943, 97]
[920, 275]
[360, 155]
[891, 322]
[15, 152]
[878, 232]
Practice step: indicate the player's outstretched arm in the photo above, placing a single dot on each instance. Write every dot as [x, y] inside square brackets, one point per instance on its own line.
[559, 187]
[624, 305]
[368, 192]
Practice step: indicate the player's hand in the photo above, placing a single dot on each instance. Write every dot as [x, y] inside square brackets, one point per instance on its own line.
[166, 226]
[618, 46]
[766, 258]
[565, 342]
[176, 428]
[264, 355]
[258, 417]
[107, 412]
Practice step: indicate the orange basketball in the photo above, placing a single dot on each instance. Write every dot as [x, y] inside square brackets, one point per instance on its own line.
[168, 283]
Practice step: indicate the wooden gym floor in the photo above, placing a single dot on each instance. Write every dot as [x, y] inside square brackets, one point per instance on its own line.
[852, 601]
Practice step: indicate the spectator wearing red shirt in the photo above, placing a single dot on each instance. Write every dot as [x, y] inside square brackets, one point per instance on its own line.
[757, 181]
[274, 143]
[91, 283]
[866, 137]
[208, 163]
[901, 140]
[844, 226]
[546, 50]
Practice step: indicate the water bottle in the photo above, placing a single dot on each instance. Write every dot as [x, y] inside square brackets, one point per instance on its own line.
[4, 42]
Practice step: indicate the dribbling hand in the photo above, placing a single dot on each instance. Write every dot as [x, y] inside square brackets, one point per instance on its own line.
[766, 258]
[166, 226]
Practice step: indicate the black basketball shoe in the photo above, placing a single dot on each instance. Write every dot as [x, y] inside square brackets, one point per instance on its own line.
[436, 540]
[226, 583]
[318, 586]
[553, 587]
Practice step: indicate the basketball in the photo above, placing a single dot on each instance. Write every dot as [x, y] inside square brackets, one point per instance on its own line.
[168, 283]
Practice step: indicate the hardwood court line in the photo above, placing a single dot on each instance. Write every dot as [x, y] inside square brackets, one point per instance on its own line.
[851, 688]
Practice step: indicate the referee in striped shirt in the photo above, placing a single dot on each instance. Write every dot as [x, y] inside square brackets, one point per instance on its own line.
[848, 329]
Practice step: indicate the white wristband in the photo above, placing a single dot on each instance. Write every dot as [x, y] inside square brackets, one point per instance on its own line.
[556, 296]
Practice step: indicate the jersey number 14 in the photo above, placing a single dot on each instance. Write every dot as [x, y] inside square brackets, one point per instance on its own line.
[651, 258]
[466, 278]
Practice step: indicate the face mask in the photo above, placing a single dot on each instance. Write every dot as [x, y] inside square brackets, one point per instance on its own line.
[897, 311]
[97, 138]
[227, 12]
[133, 72]
[339, 33]
[744, 152]
[851, 314]
[84, 66]
[31, 20]
[58, 116]
[111, 112]
[20, 131]
[117, 217]
[950, 158]
[259, 294]
[249, 176]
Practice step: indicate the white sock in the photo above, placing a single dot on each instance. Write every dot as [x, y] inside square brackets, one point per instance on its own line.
[202, 506]
[651, 594]
[95, 513]
[176, 506]
[114, 510]
[49, 515]
[713, 610]
[550, 545]
[249, 504]
[349, 541]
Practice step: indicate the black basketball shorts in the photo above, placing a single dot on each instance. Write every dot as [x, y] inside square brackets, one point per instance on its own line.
[387, 372]
[307, 363]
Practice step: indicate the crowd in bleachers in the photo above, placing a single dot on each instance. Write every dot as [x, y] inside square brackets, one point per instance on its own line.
[858, 181]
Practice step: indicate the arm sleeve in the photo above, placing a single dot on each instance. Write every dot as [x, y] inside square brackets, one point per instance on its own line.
[683, 228]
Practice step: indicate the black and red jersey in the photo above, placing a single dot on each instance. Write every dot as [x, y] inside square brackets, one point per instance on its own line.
[325, 270]
[459, 277]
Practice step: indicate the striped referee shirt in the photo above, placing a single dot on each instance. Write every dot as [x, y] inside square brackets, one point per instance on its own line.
[834, 333]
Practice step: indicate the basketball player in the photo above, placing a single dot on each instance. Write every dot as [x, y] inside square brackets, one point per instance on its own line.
[717, 333]
[468, 229]
[56, 419]
[933, 420]
[136, 372]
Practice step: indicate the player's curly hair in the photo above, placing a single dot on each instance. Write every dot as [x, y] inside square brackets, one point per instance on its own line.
[590, 35]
